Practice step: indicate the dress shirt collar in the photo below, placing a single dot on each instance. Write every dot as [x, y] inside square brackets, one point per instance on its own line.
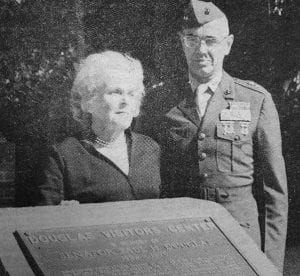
[212, 84]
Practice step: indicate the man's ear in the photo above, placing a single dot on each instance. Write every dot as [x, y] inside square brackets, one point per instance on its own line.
[229, 42]
[86, 106]
[180, 36]
[137, 110]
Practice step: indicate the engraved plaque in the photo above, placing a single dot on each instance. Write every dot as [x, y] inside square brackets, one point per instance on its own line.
[188, 246]
[176, 236]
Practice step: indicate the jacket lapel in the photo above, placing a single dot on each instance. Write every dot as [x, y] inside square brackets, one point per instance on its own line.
[219, 101]
[189, 108]
[135, 154]
[88, 146]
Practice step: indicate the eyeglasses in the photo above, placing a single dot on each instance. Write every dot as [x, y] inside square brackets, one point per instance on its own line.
[192, 41]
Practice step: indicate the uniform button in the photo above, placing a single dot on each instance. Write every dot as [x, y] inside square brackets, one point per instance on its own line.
[202, 155]
[204, 175]
[237, 138]
[201, 136]
[206, 11]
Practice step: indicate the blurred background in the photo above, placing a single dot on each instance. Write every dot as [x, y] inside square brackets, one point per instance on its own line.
[42, 41]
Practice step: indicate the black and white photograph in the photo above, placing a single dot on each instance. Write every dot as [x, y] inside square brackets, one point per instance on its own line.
[149, 137]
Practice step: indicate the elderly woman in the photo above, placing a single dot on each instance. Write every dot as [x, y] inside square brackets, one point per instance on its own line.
[110, 162]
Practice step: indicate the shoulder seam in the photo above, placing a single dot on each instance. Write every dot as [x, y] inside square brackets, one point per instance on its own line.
[251, 85]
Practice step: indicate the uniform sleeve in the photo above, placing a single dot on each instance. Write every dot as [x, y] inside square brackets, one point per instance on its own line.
[157, 165]
[274, 181]
[50, 188]
[174, 174]
[166, 161]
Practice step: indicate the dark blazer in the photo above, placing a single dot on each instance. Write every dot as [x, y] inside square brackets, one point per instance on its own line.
[76, 171]
[216, 159]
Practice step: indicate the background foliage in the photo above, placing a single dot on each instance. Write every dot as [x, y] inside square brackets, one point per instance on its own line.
[41, 41]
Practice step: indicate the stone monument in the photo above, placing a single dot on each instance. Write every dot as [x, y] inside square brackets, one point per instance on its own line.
[180, 236]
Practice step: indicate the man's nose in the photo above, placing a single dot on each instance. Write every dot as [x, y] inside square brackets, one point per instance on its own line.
[124, 100]
[202, 47]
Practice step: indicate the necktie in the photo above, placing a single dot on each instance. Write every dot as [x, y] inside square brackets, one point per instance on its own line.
[203, 96]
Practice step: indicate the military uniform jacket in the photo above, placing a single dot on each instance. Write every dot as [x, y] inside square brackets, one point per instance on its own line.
[76, 171]
[217, 157]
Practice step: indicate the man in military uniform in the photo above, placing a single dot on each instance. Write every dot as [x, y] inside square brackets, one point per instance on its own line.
[224, 133]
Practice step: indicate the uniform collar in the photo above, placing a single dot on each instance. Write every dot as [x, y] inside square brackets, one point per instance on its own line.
[226, 86]
[212, 84]
[189, 107]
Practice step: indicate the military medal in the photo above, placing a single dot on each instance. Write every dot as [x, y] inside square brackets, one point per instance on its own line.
[239, 106]
[228, 127]
[244, 128]
[235, 115]
[238, 111]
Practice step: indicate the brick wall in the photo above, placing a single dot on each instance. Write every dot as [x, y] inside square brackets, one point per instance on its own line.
[7, 173]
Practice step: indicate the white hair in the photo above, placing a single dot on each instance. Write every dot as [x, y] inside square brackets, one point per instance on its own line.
[93, 73]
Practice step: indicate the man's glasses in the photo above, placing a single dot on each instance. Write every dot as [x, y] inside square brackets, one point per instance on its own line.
[192, 41]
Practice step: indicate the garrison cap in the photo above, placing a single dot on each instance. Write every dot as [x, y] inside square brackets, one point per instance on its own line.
[198, 13]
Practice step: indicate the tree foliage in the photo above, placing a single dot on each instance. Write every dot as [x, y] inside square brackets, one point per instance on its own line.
[36, 65]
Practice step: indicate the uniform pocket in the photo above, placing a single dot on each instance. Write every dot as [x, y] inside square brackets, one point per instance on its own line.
[224, 155]
[234, 150]
[242, 156]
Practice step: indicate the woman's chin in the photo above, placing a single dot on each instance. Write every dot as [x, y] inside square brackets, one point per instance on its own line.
[123, 124]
